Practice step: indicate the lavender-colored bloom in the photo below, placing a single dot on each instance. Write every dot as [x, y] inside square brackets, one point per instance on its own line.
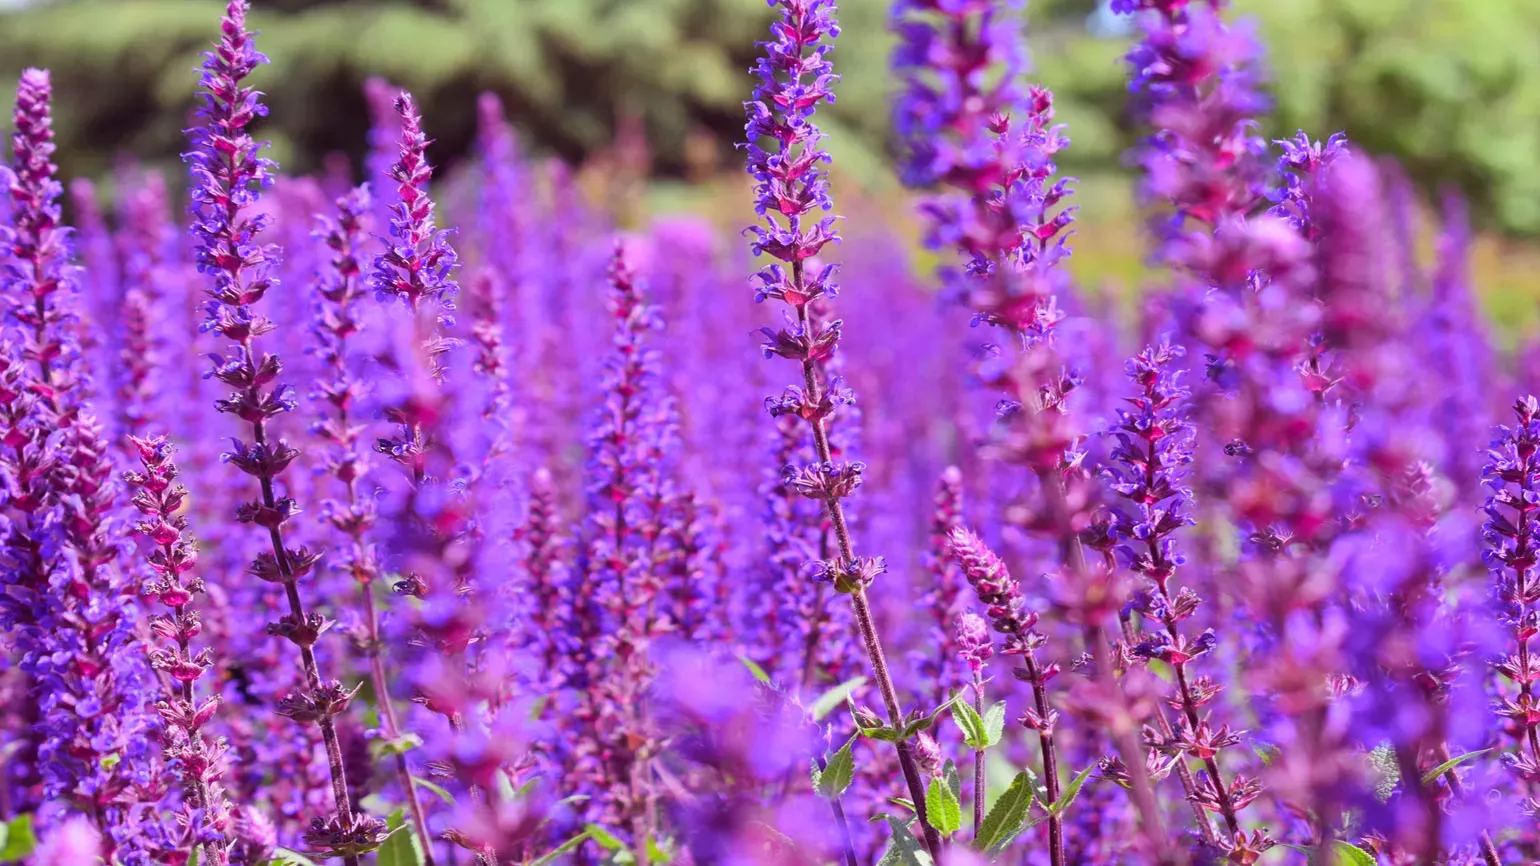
[37, 279]
[172, 555]
[352, 514]
[614, 603]
[228, 176]
[790, 194]
[960, 63]
[942, 596]
[1007, 611]
[143, 247]
[1512, 473]
[1197, 82]
[418, 264]
[1149, 469]
[74, 843]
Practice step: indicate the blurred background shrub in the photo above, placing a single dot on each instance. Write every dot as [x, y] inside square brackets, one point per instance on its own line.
[1450, 88]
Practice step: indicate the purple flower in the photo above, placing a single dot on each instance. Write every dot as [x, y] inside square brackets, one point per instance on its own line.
[1197, 82]
[790, 185]
[1512, 473]
[228, 176]
[418, 264]
[198, 757]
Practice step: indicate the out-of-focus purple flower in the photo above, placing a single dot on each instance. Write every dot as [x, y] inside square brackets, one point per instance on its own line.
[1198, 82]
[418, 264]
[960, 62]
[143, 248]
[942, 595]
[74, 843]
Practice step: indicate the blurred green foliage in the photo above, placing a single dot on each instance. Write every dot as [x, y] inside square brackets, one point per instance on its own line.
[1450, 87]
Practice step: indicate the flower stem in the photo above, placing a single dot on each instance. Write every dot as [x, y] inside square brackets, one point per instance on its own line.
[858, 601]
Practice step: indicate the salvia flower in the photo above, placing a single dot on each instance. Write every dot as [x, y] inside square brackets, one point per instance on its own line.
[228, 175]
[1512, 473]
[418, 264]
[1007, 611]
[1150, 470]
[172, 556]
[353, 513]
[791, 194]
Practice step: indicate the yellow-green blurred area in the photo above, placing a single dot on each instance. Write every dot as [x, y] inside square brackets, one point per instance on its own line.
[1449, 88]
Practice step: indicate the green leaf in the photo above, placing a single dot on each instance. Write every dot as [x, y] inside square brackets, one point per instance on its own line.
[755, 670]
[400, 848]
[942, 808]
[397, 746]
[881, 732]
[1352, 855]
[285, 857]
[903, 849]
[1441, 769]
[605, 838]
[656, 853]
[537, 709]
[1345, 853]
[20, 841]
[196, 858]
[1008, 817]
[832, 698]
[902, 803]
[566, 847]
[994, 723]
[949, 772]
[837, 772]
[1069, 794]
[442, 794]
[968, 720]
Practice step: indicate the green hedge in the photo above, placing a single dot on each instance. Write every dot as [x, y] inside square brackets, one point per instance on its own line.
[1450, 87]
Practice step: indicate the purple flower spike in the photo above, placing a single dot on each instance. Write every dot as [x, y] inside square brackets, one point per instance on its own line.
[1197, 82]
[418, 264]
[228, 176]
[1150, 471]
[1512, 549]
[791, 190]
[1007, 611]
[353, 514]
[172, 555]
[37, 279]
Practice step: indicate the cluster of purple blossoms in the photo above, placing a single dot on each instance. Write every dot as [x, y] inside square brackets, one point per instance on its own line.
[576, 593]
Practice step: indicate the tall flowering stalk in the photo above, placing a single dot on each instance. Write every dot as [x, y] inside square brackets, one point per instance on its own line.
[617, 599]
[1197, 82]
[1008, 217]
[228, 177]
[942, 597]
[1007, 611]
[69, 599]
[1155, 447]
[353, 515]
[795, 76]
[199, 757]
[1512, 473]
